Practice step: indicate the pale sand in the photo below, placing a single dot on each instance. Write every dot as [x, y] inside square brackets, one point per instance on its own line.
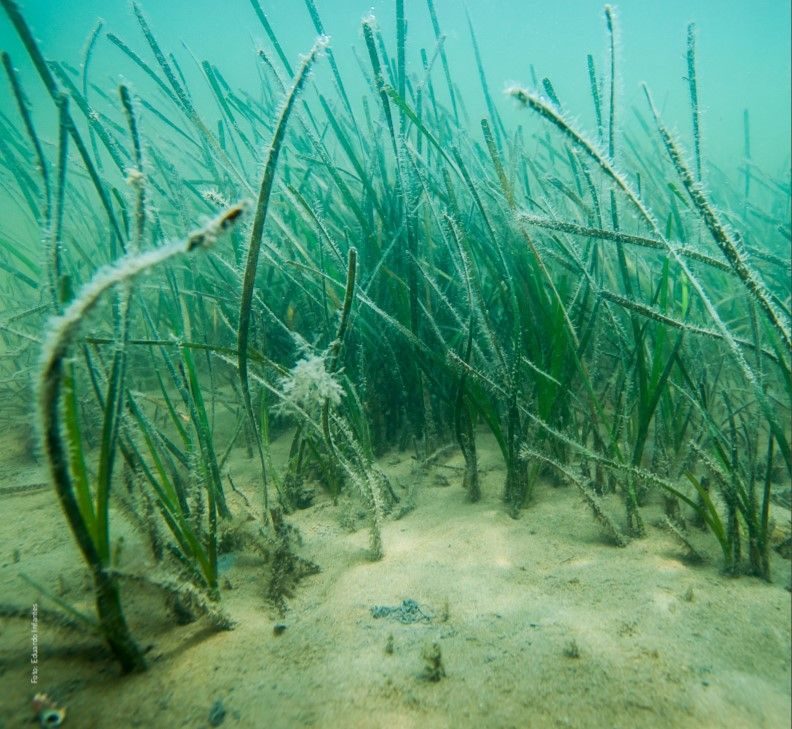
[661, 643]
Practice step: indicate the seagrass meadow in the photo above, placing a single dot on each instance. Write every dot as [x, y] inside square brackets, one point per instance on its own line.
[374, 372]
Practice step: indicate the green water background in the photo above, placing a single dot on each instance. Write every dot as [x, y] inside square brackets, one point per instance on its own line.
[743, 50]
[743, 56]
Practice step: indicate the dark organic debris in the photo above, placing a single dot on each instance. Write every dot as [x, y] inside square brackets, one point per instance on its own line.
[217, 713]
[408, 612]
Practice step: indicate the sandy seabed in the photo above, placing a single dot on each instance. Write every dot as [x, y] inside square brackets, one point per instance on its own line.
[540, 622]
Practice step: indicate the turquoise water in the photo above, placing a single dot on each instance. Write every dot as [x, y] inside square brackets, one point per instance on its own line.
[743, 51]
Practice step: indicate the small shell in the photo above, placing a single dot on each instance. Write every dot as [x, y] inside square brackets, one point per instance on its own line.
[52, 717]
[41, 701]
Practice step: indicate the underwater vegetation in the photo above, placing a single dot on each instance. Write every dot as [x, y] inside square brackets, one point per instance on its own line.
[376, 273]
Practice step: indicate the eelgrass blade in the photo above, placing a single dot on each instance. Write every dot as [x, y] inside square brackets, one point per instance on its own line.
[62, 331]
[551, 115]
[135, 175]
[500, 130]
[319, 27]
[610, 21]
[595, 95]
[694, 104]
[12, 10]
[257, 231]
[721, 235]
[271, 35]
[368, 26]
[23, 106]
[443, 58]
